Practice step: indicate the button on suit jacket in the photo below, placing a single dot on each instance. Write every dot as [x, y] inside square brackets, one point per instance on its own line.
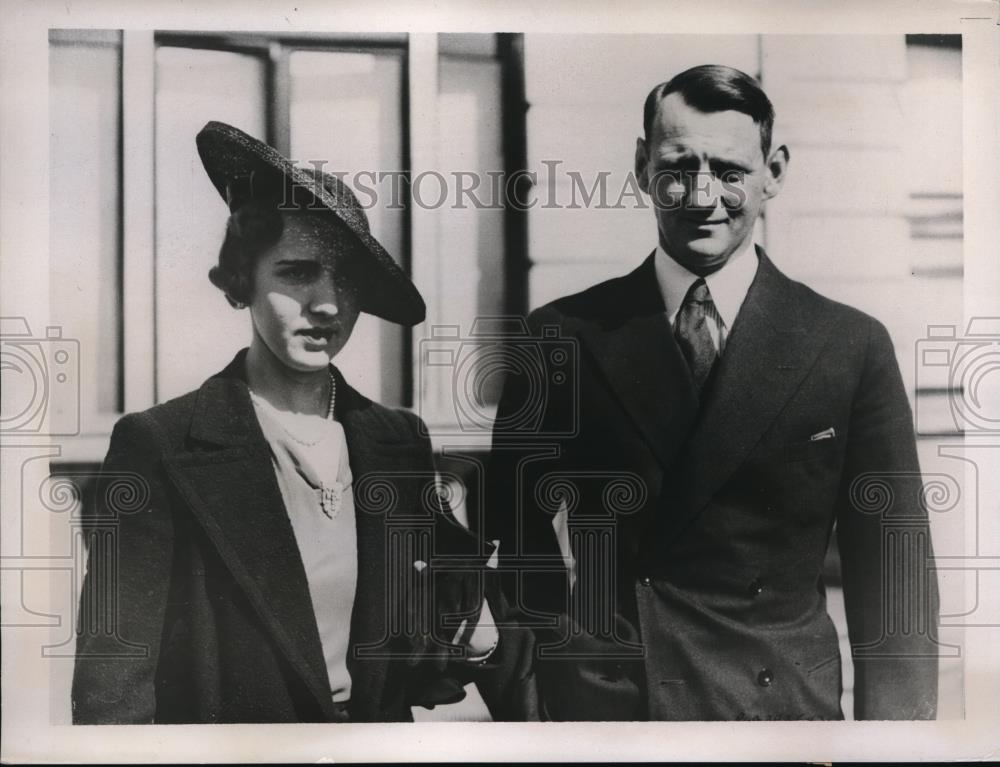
[697, 535]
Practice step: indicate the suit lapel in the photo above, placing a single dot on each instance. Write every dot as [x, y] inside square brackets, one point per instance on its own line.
[768, 353]
[637, 354]
[234, 494]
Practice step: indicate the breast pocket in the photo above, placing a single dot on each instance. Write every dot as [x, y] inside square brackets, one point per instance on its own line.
[812, 449]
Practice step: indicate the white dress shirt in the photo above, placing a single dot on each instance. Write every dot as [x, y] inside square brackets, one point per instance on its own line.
[728, 287]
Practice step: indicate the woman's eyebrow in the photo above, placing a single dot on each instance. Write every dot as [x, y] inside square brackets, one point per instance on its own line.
[284, 261]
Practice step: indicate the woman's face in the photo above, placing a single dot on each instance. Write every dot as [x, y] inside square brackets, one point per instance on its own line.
[305, 300]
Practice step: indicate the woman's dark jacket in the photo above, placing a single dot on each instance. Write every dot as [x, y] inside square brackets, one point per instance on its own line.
[196, 608]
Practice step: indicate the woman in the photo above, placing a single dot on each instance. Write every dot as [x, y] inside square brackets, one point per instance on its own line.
[282, 563]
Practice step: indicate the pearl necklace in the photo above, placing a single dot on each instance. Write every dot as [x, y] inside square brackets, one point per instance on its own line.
[329, 417]
[333, 396]
[331, 496]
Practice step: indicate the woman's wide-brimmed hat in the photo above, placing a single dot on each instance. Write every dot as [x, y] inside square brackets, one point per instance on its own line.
[243, 168]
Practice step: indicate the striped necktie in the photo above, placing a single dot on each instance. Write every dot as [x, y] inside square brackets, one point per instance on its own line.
[693, 334]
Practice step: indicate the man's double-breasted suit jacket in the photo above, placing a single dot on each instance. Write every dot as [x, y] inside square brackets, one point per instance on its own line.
[698, 530]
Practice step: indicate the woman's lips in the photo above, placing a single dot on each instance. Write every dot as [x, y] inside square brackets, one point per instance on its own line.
[317, 335]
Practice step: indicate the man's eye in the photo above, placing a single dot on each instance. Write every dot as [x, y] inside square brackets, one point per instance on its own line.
[682, 166]
[732, 175]
[670, 174]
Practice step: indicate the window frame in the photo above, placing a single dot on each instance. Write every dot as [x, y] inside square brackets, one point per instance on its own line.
[137, 247]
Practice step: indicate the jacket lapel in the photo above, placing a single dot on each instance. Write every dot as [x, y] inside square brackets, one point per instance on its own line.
[393, 470]
[364, 431]
[636, 352]
[234, 494]
[771, 347]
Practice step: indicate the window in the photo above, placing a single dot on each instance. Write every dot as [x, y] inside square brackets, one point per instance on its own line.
[85, 230]
[125, 111]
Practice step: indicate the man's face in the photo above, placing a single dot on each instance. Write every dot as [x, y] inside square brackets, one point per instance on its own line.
[708, 178]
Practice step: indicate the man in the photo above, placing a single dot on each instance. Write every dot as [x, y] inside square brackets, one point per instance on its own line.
[670, 509]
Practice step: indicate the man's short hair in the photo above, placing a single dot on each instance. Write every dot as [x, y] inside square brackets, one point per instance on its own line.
[715, 88]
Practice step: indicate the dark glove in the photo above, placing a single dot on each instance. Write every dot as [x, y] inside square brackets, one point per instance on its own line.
[444, 593]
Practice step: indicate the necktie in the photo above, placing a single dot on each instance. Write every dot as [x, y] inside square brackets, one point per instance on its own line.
[693, 335]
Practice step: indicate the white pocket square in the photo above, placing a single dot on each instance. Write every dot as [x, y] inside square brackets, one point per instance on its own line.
[825, 434]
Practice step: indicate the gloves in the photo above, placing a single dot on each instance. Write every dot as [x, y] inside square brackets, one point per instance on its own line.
[442, 610]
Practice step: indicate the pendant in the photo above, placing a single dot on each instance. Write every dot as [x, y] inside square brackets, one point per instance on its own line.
[331, 498]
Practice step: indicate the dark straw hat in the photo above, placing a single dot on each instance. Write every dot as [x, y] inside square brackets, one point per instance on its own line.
[241, 168]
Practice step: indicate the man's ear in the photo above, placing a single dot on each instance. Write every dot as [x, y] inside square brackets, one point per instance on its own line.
[777, 169]
[641, 161]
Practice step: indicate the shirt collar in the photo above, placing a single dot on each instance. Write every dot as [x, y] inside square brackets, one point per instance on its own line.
[728, 286]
